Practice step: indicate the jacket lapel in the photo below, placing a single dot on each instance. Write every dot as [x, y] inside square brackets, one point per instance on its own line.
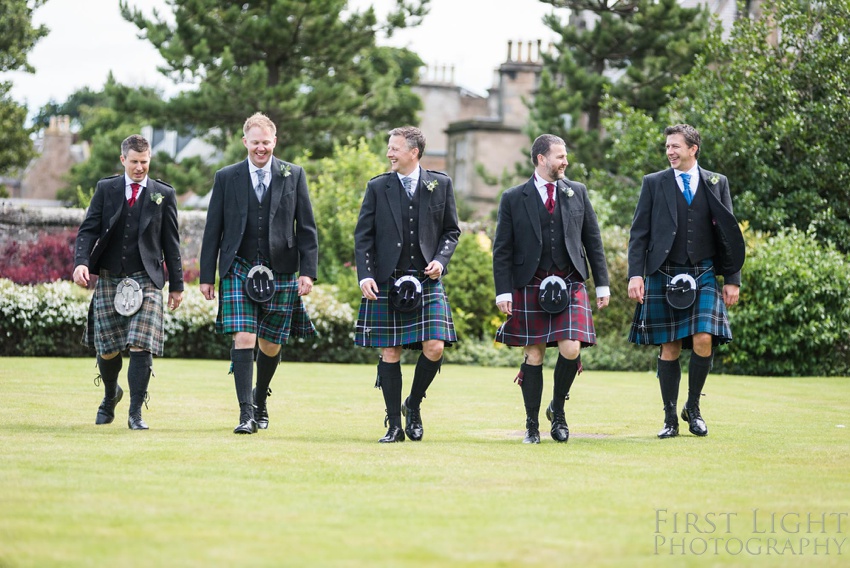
[116, 200]
[147, 206]
[424, 197]
[562, 201]
[669, 189]
[531, 197]
[393, 194]
[276, 186]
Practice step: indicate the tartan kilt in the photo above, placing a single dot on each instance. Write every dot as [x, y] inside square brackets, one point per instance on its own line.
[107, 331]
[656, 322]
[529, 324]
[378, 325]
[284, 315]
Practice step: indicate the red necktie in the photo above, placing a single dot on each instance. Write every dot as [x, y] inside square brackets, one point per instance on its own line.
[135, 187]
[550, 201]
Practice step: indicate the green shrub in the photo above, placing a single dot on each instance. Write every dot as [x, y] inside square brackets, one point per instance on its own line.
[469, 286]
[794, 312]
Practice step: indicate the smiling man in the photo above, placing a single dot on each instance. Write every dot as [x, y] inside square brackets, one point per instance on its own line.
[129, 229]
[405, 236]
[546, 235]
[260, 230]
[683, 236]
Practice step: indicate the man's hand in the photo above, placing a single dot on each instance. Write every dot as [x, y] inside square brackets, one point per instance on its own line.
[602, 302]
[208, 291]
[506, 307]
[369, 289]
[730, 294]
[174, 299]
[434, 270]
[636, 289]
[305, 285]
[81, 276]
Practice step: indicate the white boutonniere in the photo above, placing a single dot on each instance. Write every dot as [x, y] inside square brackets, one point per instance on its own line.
[569, 191]
[156, 198]
[287, 170]
[714, 179]
[431, 185]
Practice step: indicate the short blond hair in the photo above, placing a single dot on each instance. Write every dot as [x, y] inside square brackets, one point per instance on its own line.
[261, 120]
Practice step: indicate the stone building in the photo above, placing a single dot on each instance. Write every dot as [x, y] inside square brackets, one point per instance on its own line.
[57, 153]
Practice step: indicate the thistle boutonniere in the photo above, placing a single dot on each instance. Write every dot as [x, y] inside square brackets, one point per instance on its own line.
[714, 179]
[287, 170]
[156, 198]
[569, 191]
[431, 185]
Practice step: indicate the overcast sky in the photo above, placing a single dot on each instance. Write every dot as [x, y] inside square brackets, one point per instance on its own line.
[89, 38]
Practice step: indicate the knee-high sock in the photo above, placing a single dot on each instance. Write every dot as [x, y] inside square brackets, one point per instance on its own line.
[266, 367]
[565, 374]
[109, 369]
[138, 377]
[697, 374]
[669, 375]
[532, 389]
[390, 376]
[425, 372]
[243, 373]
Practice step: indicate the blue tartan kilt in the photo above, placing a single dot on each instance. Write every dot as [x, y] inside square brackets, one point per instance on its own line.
[378, 325]
[107, 331]
[529, 324]
[656, 322]
[284, 315]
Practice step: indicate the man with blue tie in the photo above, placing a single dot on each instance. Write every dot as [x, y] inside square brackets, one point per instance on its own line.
[683, 236]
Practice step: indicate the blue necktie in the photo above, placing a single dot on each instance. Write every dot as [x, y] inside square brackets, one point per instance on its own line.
[686, 182]
[260, 190]
[408, 186]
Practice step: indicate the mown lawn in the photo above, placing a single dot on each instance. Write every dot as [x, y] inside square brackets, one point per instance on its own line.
[769, 486]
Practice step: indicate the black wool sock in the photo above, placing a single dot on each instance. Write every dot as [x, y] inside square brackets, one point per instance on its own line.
[698, 370]
[565, 373]
[266, 367]
[243, 373]
[669, 375]
[390, 376]
[532, 389]
[109, 369]
[425, 372]
[138, 377]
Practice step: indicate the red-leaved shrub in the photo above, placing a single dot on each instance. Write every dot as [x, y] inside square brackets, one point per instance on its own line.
[49, 258]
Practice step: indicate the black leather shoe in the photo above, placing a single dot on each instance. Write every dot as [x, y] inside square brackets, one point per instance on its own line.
[394, 434]
[696, 424]
[560, 431]
[671, 422]
[135, 422]
[413, 420]
[247, 424]
[106, 412]
[261, 412]
[532, 433]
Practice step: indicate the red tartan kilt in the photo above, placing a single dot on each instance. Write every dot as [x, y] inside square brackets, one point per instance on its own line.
[531, 325]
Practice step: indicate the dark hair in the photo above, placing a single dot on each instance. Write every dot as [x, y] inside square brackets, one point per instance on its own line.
[692, 137]
[542, 144]
[413, 136]
[136, 143]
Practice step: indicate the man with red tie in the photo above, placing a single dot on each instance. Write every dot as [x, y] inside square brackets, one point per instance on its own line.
[129, 229]
[546, 229]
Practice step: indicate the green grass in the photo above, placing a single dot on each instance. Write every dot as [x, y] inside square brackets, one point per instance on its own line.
[316, 489]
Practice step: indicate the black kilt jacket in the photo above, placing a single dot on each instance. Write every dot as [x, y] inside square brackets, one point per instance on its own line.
[655, 225]
[159, 240]
[518, 245]
[378, 239]
[293, 238]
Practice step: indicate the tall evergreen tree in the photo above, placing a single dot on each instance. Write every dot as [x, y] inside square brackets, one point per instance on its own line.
[311, 65]
[633, 49]
[17, 38]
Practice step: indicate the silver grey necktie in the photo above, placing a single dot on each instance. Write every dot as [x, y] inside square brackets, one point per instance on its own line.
[260, 190]
[408, 186]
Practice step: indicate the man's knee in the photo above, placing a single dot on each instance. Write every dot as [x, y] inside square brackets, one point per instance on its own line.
[534, 354]
[433, 350]
[391, 354]
[244, 340]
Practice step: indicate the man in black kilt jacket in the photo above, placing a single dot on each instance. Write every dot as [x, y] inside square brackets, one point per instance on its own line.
[547, 233]
[683, 236]
[406, 233]
[128, 238]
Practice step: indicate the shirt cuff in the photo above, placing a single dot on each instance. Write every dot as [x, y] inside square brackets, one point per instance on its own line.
[603, 291]
[364, 280]
[504, 298]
